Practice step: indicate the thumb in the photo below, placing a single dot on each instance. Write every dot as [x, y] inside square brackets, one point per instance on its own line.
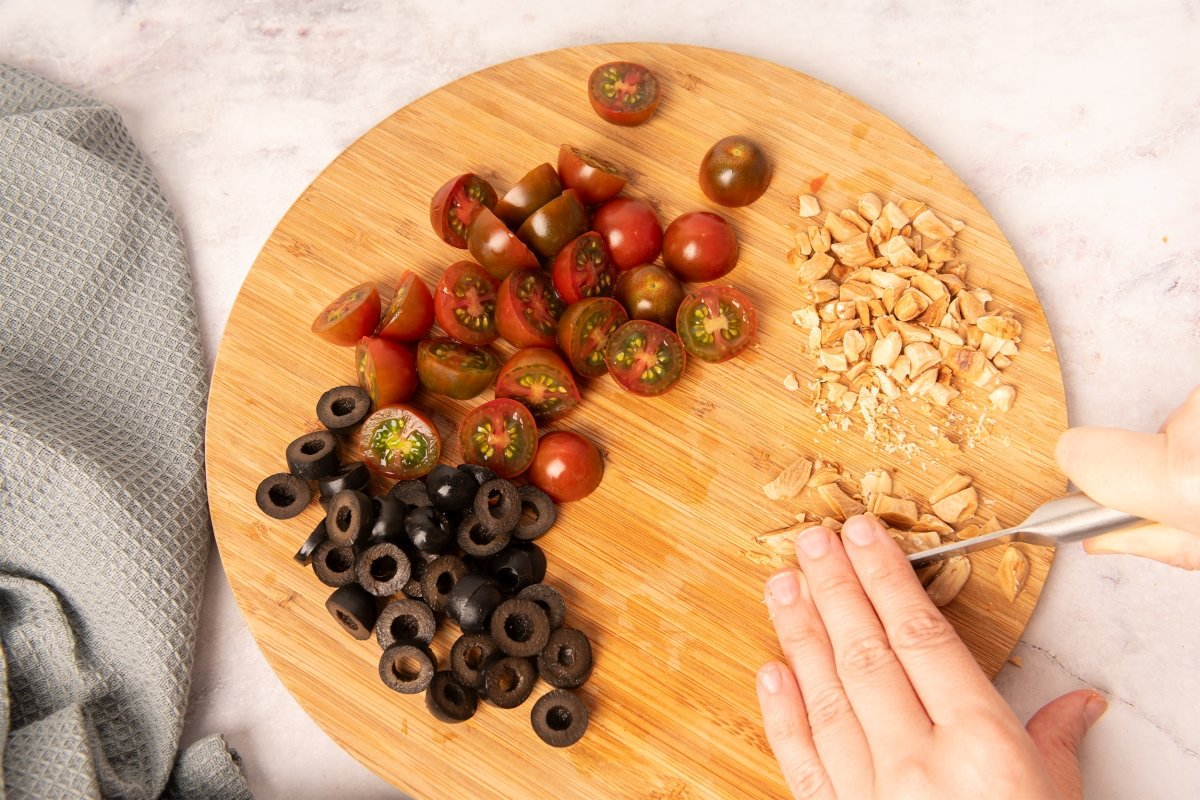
[1057, 729]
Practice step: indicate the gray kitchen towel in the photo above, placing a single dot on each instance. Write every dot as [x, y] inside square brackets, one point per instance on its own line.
[103, 520]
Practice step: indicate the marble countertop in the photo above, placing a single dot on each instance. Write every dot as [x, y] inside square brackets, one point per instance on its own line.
[1076, 123]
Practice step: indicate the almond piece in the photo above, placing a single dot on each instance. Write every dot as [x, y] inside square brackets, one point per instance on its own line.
[967, 532]
[824, 291]
[929, 224]
[894, 510]
[854, 251]
[808, 205]
[921, 356]
[870, 206]
[967, 362]
[946, 585]
[790, 481]
[790, 382]
[840, 229]
[941, 394]
[916, 541]
[876, 481]
[855, 219]
[1002, 398]
[958, 507]
[999, 326]
[884, 353]
[815, 268]
[843, 505]
[927, 573]
[970, 307]
[898, 252]
[823, 473]
[783, 541]
[911, 208]
[955, 483]
[833, 360]
[930, 523]
[852, 345]
[1013, 572]
[894, 216]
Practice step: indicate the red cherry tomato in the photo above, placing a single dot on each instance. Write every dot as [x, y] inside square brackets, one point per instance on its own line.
[540, 380]
[455, 205]
[527, 309]
[645, 358]
[584, 268]
[497, 248]
[554, 225]
[631, 229]
[716, 323]
[454, 369]
[583, 333]
[650, 292]
[593, 179]
[410, 314]
[539, 186]
[566, 466]
[464, 303]
[700, 246]
[623, 93]
[400, 442]
[349, 318]
[735, 172]
[387, 370]
[500, 435]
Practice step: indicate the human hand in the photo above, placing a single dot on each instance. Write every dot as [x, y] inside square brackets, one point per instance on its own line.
[1152, 475]
[880, 698]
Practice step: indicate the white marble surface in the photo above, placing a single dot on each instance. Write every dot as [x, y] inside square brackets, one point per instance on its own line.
[1077, 124]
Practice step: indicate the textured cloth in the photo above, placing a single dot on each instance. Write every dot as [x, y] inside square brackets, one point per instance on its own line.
[103, 521]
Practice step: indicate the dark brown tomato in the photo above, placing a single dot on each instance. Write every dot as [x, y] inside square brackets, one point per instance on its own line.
[540, 380]
[584, 268]
[527, 309]
[464, 303]
[387, 370]
[496, 248]
[454, 369]
[650, 292]
[630, 229]
[500, 435]
[583, 333]
[554, 225]
[735, 172]
[539, 186]
[623, 93]
[400, 442]
[410, 314]
[700, 246]
[350, 317]
[716, 323]
[593, 179]
[455, 205]
[645, 358]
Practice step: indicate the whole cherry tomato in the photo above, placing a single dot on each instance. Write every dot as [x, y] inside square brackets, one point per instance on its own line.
[650, 292]
[700, 246]
[735, 172]
[631, 229]
[566, 466]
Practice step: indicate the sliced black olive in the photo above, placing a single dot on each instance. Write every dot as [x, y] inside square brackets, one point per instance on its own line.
[538, 513]
[354, 609]
[507, 682]
[418, 560]
[404, 621]
[407, 667]
[498, 505]
[333, 565]
[450, 701]
[450, 488]
[481, 474]
[566, 660]
[472, 601]
[412, 492]
[440, 576]
[559, 718]
[282, 496]
[343, 407]
[477, 539]
[549, 599]
[519, 565]
[387, 524]
[429, 530]
[382, 569]
[469, 654]
[313, 456]
[520, 627]
[305, 554]
[348, 519]
[351, 475]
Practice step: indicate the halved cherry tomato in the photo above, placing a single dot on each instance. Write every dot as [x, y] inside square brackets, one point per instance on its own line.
[552, 226]
[593, 179]
[387, 370]
[455, 205]
[497, 248]
[623, 93]
[527, 309]
[349, 318]
[566, 466]
[400, 442]
[584, 268]
[500, 435]
[410, 314]
[630, 229]
[464, 303]
[735, 171]
[716, 323]
[700, 246]
[650, 292]
[454, 369]
[583, 333]
[540, 380]
[539, 186]
[645, 358]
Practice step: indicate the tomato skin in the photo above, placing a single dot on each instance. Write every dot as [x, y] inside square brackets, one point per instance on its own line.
[566, 466]
[496, 248]
[410, 314]
[554, 225]
[650, 292]
[353, 315]
[528, 309]
[455, 205]
[500, 435]
[387, 370]
[399, 441]
[700, 246]
[583, 333]
[593, 179]
[716, 323]
[584, 268]
[630, 229]
[464, 303]
[538, 378]
[645, 358]
[735, 172]
[454, 369]
[623, 93]
[539, 186]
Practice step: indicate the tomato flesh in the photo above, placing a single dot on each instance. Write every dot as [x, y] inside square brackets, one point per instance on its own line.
[350, 317]
[584, 268]
[454, 369]
[554, 225]
[500, 435]
[410, 314]
[497, 248]
[623, 93]
[464, 303]
[650, 292]
[387, 370]
[717, 323]
[583, 333]
[400, 442]
[455, 205]
[528, 309]
[645, 358]
[593, 179]
[539, 186]
[539, 379]
[567, 466]
[630, 229]
[700, 246]
[735, 172]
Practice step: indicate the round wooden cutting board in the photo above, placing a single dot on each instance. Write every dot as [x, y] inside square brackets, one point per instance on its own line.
[658, 566]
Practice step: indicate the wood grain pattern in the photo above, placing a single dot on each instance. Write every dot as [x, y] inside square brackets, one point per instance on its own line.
[653, 565]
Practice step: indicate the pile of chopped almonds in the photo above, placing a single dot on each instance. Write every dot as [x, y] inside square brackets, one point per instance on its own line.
[890, 314]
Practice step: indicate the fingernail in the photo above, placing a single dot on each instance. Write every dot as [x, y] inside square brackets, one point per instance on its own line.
[769, 678]
[1094, 709]
[783, 588]
[814, 542]
[860, 531]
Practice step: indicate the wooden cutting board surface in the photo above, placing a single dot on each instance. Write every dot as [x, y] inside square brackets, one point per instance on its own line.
[658, 566]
